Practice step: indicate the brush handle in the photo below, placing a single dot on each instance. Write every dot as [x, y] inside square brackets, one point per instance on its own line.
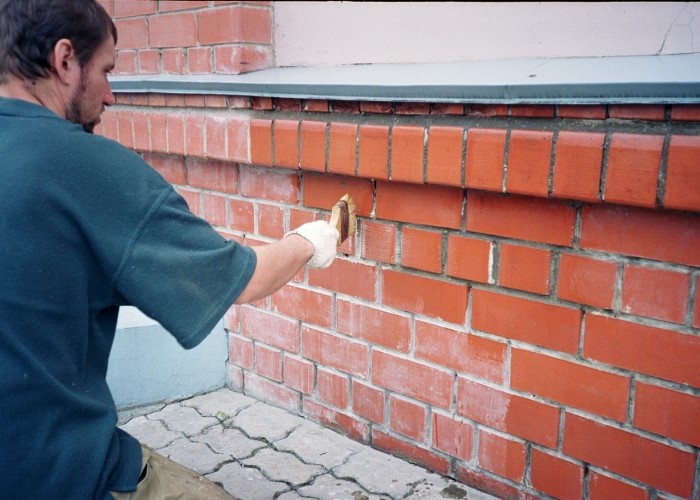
[340, 219]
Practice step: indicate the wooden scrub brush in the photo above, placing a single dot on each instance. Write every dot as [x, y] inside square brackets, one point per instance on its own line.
[343, 218]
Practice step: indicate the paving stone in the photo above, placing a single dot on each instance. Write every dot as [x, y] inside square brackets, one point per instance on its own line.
[247, 483]
[316, 445]
[327, 487]
[221, 404]
[130, 413]
[436, 487]
[183, 419]
[282, 466]
[196, 456]
[382, 473]
[265, 421]
[229, 441]
[152, 433]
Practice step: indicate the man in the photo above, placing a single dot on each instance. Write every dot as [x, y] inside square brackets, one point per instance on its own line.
[87, 226]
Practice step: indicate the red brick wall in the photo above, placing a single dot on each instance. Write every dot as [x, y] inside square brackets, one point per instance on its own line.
[520, 308]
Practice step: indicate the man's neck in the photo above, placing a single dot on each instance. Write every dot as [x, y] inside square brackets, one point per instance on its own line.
[38, 92]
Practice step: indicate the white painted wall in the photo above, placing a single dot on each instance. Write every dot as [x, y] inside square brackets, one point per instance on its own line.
[344, 33]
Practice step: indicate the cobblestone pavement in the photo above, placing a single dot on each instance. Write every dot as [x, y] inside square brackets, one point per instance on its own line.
[260, 452]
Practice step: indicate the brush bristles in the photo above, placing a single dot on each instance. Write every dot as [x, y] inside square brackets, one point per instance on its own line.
[343, 218]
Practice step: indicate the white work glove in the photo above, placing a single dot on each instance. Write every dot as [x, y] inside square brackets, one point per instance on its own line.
[323, 237]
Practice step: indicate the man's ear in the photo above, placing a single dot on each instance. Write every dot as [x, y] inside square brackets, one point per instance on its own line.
[64, 62]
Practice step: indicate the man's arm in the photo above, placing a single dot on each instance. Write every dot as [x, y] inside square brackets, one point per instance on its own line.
[277, 263]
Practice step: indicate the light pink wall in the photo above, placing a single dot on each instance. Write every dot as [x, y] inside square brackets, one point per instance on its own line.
[341, 33]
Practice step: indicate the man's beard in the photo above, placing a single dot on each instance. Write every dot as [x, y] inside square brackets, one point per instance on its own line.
[74, 113]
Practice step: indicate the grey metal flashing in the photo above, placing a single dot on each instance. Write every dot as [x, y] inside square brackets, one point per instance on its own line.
[668, 79]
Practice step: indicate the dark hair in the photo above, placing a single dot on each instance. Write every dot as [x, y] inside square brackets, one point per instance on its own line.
[29, 30]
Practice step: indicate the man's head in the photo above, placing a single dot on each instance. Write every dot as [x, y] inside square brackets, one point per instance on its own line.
[47, 39]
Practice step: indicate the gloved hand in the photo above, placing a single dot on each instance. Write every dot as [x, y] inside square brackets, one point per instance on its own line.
[323, 237]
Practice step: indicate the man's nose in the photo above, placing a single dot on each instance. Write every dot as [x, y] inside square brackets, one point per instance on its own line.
[108, 98]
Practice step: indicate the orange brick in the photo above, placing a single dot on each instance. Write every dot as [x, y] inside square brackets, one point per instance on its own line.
[586, 281]
[582, 112]
[452, 436]
[376, 326]
[407, 144]
[407, 418]
[653, 234]
[286, 143]
[194, 135]
[526, 218]
[577, 165]
[655, 293]
[488, 110]
[368, 402]
[532, 111]
[601, 487]
[241, 352]
[170, 167]
[501, 456]
[575, 385]
[524, 268]
[239, 136]
[630, 455]
[172, 30]
[242, 215]
[412, 108]
[374, 152]
[555, 476]
[529, 154]
[270, 221]
[438, 206]
[633, 169]
[299, 374]
[271, 329]
[214, 209]
[343, 141]
[216, 131]
[324, 191]
[199, 60]
[408, 377]
[335, 352]
[469, 258]
[644, 349]
[434, 298]
[316, 105]
[467, 353]
[133, 33]
[352, 278]
[484, 159]
[683, 173]
[333, 388]
[445, 155]
[261, 142]
[685, 112]
[421, 249]
[236, 59]
[242, 24]
[278, 186]
[637, 112]
[313, 146]
[212, 175]
[268, 362]
[378, 241]
[129, 8]
[536, 323]
[668, 413]
[309, 306]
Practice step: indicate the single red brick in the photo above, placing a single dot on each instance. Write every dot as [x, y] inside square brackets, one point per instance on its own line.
[133, 33]
[421, 249]
[438, 206]
[586, 281]
[376, 326]
[408, 418]
[212, 175]
[445, 155]
[316, 105]
[532, 111]
[172, 30]
[333, 388]
[667, 413]
[488, 110]
[194, 135]
[268, 390]
[644, 349]
[125, 128]
[574, 385]
[170, 167]
[239, 137]
[653, 234]
[577, 165]
[630, 455]
[286, 144]
[410, 378]
[336, 352]
[324, 191]
[237, 58]
[277, 186]
[241, 352]
[516, 318]
[407, 144]
[446, 109]
[246, 24]
[524, 268]
[368, 402]
[452, 436]
[272, 329]
[555, 476]
[633, 169]
[529, 154]
[333, 419]
[271, 221]
[415, 454]
[502, 456]
[412, 108]
[242, 215]
[374, 152]
[214, 209]
[299, 374]
[384, 108]
[601, 487]
[526, 218]
[469, 258]
[199, 60]
[582, 112]
[432, 297]
[683, 173]
[172, 5]
[685, 112]
[268, 362]
[313, 146]
[310, 306]
[637, 112]
[141, 131]
[129, 8]
[485, 159]
[463, 352]
[261, 142]
[655, 293]
[216, 132]
[378, 241]
[507, 412]
[356, 279]
[343, 142]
